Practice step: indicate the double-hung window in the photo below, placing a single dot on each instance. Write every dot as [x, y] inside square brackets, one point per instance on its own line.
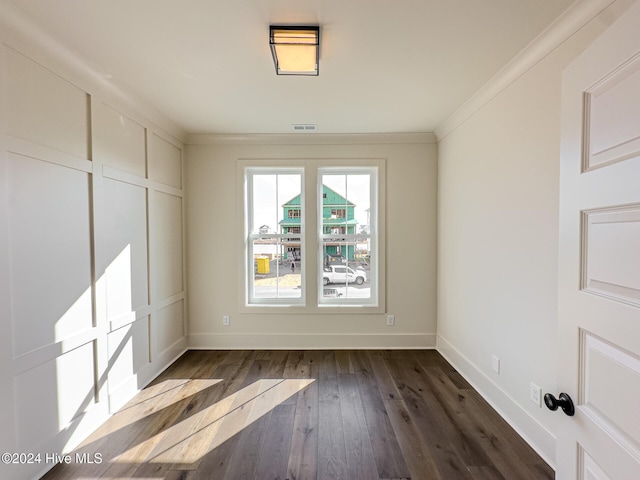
[347, 235]
[275, 243]
[313, 234]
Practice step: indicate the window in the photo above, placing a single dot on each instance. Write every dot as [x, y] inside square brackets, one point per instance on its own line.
[341, 261]
[274, 242]
[347, 236]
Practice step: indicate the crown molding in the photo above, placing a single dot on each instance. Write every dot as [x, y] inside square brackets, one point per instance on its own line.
[572, 20]
[312, 139]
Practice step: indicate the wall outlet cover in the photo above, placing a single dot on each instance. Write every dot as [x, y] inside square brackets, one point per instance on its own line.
[535, 394]
[495, 364]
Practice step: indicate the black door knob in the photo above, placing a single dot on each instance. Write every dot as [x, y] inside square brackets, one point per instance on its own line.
[563, 401]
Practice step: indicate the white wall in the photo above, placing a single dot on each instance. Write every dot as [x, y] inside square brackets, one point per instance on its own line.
[92, 284]
[497, 237]
[214, 248]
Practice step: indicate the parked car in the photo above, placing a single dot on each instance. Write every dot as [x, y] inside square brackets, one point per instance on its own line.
[343, 274]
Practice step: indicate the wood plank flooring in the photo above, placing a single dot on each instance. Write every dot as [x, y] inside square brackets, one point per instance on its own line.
[345, 415]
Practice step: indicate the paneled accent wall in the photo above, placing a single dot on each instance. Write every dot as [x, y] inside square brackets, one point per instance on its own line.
[93, 285]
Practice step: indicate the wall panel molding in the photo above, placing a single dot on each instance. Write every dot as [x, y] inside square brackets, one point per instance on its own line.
[20, 32]
[125, 177]
[118, 141]
[25, 148]
[59, 120]
[165, 162]
[79, 239]
[50, 250]
[46, 353]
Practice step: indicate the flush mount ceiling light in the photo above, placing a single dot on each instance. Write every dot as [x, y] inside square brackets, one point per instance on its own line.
[295, 49]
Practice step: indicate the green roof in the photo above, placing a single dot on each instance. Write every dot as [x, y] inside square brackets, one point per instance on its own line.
[295, 201]
[290, 222]
[331, 197]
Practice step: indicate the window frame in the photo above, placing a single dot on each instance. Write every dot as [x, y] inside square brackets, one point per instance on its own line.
[312, 276]
[372, 235]
[249, 276]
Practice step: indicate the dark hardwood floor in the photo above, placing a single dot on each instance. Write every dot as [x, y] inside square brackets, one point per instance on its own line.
[307, 415]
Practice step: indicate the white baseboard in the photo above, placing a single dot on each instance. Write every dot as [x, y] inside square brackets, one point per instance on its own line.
[537, 436]
[125, 391]
[358, 341]
[165, 358]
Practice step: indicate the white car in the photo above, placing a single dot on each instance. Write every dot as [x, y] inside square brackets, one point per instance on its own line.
[343, 274]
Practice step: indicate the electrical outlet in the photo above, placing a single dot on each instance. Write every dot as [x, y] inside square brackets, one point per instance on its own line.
[535, 394]
[495, 364]
[226, 320]
[391, 320]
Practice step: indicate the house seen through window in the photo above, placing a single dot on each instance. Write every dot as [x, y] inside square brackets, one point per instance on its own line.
[347, 245]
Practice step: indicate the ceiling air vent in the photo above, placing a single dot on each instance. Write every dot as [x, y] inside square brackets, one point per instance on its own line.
[304, 127]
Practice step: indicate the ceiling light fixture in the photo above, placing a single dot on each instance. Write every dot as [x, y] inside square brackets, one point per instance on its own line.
[295, 49]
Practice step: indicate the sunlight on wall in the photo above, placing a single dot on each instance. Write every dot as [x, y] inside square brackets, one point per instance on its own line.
[75, 383]
[74, 320]
[118, 286]
[123, 356]
[77, 376]
[116, 281]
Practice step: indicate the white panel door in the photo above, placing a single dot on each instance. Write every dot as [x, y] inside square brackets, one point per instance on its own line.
[599, 263]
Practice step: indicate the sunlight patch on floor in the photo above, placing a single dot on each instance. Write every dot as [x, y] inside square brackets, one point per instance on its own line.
[150, 401]
[186, 443]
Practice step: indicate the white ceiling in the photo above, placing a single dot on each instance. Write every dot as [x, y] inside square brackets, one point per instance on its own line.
[385, 65]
